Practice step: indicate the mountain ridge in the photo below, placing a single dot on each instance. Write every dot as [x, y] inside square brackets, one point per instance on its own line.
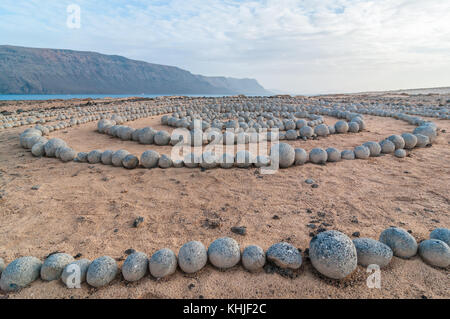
[26, 70]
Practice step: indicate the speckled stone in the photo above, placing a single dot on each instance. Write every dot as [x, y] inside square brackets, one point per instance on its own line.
[435, 252]
[353, 127]
[371, 251]
[130, 161]
[20, 273]
[51, 146]
[118, 156]
[162, 138]
[306, 131]
[163, 263]
[334, 155]
[348, 155]
[224, 253]
[301, 156]
[426, 130]
[285, 153]
[135, 266]
[101, 271]
[83, 264]
[321, 130]
[107, 157]
[192, 257]
[341, 127]
[397, 140]
[54, 265]
[333, 254]
[400, 241]
[67, 155]
[410, 140]
[94, 156]
[165, 161]
[318, 156]
[400, 153]
[253, 258]
[81, 157]
[284, 255]
[361, 152]
[441, 234]
[387, 147]
[149, 159]
[374, 148]
[422, 140]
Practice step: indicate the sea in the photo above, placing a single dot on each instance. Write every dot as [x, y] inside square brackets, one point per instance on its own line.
[29, 97]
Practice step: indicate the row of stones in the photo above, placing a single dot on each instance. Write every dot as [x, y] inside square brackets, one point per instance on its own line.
[331, 253]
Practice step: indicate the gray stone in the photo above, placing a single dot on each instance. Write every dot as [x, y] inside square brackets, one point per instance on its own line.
[426, 130]
[146, 135]
[321, 130]
[163, 263]
[262, 161]
[435, 252]
[318, 156]
[422, 140]
[83, 265]
[301, 156]
[333, 155]
[101, 271]
[306, 131]
[192, 257]
[149, 159]
[291, 135]
[387, 147]
[81, 157]
[374, 148]
[401, 242]
[371, 251]
[209, 160]
[410, 140]
[341, 127]
[244, 159]
[348, 155]
[135, 266]
[130, 161]
[192, 160]
[118, 156]
[353, 127]
[20, 273]
[361, 152]
[253, 258]
[441, 234]
[107, 157]
[38, 149]
[301, 123]
[54, 265]
[398, 141]
[224, 253]
[94, 156]
[51, 146]
[2, 265]
[67, 155]
[400, 153]
[284, 255]
[333, 254]
[227, 161]
[165, 161]
[285, 153]
[162, 138]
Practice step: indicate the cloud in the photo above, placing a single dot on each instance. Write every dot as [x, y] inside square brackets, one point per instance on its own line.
[292, 45]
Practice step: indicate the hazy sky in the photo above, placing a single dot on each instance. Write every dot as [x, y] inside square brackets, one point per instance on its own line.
[293, 46]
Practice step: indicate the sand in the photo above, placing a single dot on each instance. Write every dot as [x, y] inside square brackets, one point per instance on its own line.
[90, 209]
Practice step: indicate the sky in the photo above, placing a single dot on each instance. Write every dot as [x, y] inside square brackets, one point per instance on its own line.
[292, 46]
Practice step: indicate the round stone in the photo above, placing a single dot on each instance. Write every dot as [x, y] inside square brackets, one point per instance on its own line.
[318, 156]
[262, 161]
[426, 130]
[400, 153]
[54, 265]
[51, 146]
[163, 263]
[162, 138]
[333, 254]
[107, 157]
[422, 140]
[192, 257]
[244, 159]
[291, 135]
[253, 258]
[2, 265]
[401, 242]
[321, 130]
[67, 155]
[227, 161]
[374, 148]
[410, 140]
[301, 157]
[348, 155]
[209, 160]
[118, 157]
[398, 141]
[165, 161]
[224, 253]
[81, 157]
[76, 267]
[149, 159]
[371, 251]
[435, 252]
[306, 131]
[20, 273]
[333, 155]
[285, 153]
[38, 149]
[94, 156]
[353, 127]
[301, 123]
[101, 271]
[130, 161]
[387, 147]
[341, 127]
[192, 160]
[441, 234]
[146, 135]
[361, 152]
[284, 255]
[135, 266]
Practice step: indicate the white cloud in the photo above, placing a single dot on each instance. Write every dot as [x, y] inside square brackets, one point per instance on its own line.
[292, 45]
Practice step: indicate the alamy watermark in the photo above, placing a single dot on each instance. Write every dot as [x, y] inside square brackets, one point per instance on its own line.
[73, 16]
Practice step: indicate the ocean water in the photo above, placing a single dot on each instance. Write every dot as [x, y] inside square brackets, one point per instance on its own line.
[13, 97]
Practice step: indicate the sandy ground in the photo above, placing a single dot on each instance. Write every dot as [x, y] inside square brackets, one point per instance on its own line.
[90, 209]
